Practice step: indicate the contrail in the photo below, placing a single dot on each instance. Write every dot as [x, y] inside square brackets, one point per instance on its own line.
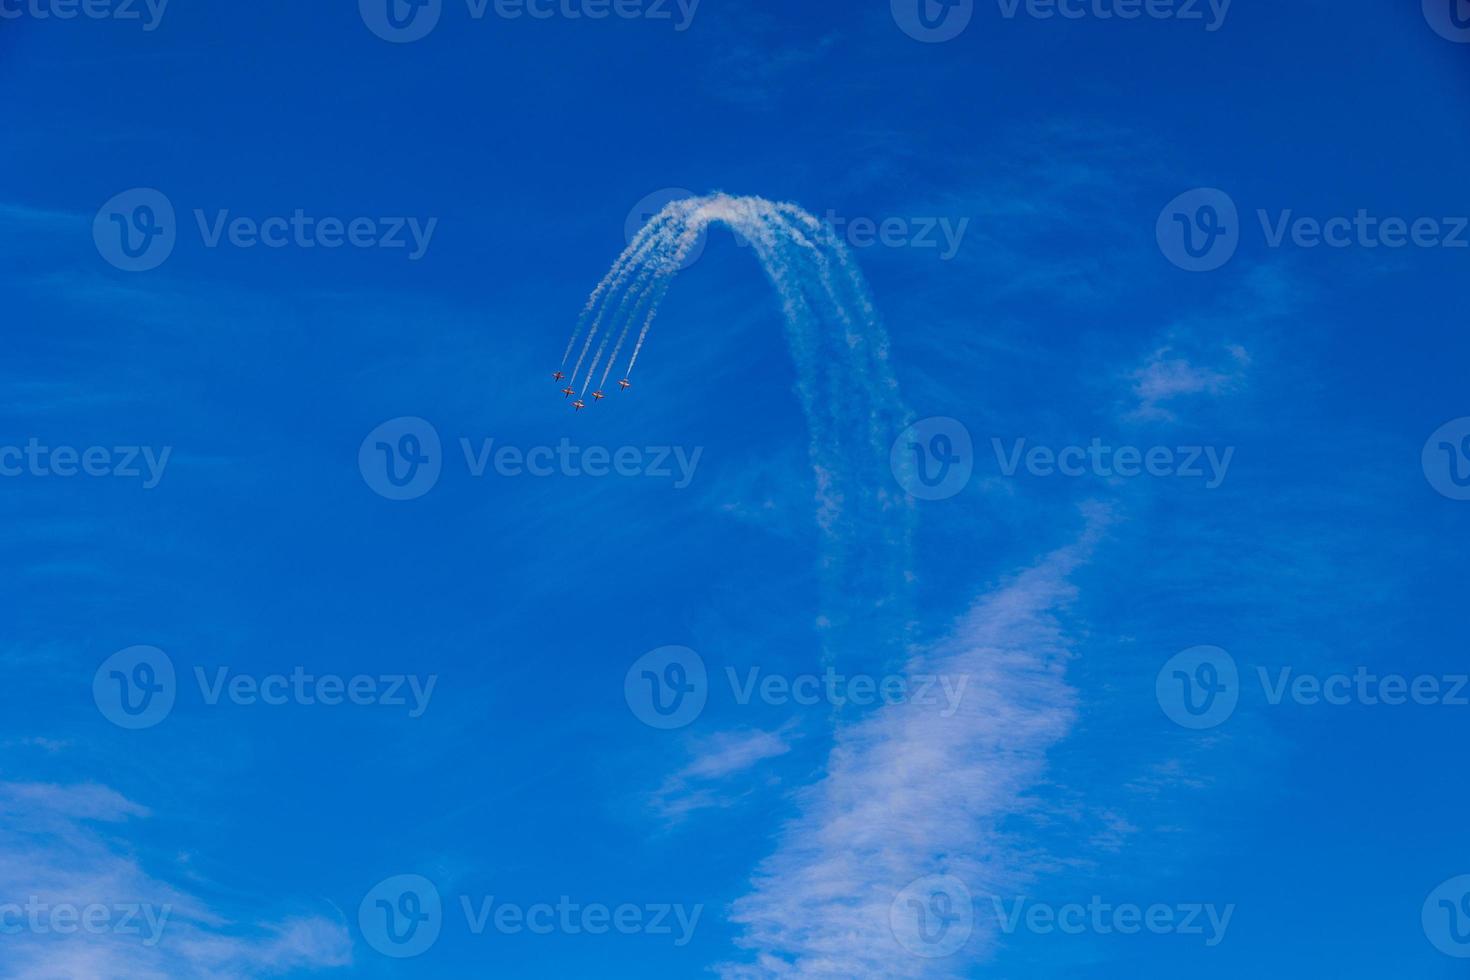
[633, 295]
[848, 394]
[681, 246]
[614, 276]
[653, 289]
[908, 789]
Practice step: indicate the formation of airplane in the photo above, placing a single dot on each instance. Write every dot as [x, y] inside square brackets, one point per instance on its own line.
[597, 396]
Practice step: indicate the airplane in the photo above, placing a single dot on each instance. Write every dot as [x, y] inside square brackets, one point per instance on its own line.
[625, 384]
[578, 405]
[557, 376]
[568, 391]
[598, 395]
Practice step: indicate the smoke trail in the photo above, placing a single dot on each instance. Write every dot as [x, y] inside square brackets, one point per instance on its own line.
[909, 790]
[627, 311]
[847, 391]
[652, 294]
[614, 279]
[681, 247]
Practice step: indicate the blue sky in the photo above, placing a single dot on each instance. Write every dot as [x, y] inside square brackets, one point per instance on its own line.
[1036, 175]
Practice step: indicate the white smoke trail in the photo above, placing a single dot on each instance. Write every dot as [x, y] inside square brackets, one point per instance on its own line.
[681, 247]
[847, 392]
[614, 279]
[627, 311]
[907, 791]
[650, 296]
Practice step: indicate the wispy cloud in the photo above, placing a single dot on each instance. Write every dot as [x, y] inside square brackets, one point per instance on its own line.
[910, 792]
[704, 782]
[39, 218]
[1168, 375]
[62, 862]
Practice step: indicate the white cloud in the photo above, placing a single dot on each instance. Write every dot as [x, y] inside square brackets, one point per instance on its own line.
[63, 846]
[701, 783]
[1168, 375]
[910, 792]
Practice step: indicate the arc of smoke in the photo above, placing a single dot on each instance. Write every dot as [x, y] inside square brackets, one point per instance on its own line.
[615, 277]
[627, 310]
[839, 349]
[694, 225]
[662, 273]
[907, 791]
